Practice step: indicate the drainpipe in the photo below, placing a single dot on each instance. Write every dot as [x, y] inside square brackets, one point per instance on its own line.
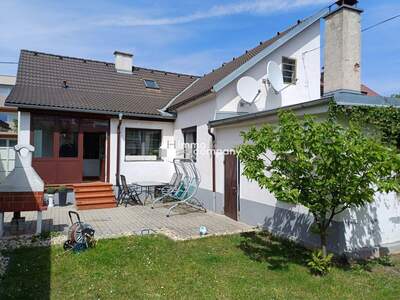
[117, 175]
[213, 167]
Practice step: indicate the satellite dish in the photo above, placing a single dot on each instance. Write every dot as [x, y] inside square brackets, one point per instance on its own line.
[247, 89]
[274, 76]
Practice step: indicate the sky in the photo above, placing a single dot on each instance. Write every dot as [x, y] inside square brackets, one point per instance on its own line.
[183, 36]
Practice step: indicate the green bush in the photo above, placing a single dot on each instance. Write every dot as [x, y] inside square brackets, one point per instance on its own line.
[62, 188]
[51, 190]
[318, 264]
[385, 261]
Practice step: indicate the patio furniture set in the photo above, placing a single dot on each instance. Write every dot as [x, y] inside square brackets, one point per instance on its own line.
[181, 189]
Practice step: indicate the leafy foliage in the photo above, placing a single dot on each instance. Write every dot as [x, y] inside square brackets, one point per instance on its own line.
[321, 165]
[383, 122]
[51, 190]
[385, 260]
[320, 264]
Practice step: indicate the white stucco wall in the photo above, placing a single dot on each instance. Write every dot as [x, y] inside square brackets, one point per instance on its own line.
[228, 138]
[142, 170]
[198, 115]
[305, 49]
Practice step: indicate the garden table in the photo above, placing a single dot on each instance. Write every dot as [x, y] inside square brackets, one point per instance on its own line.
[149, 188]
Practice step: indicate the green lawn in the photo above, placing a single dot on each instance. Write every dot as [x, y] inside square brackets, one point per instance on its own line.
[250, 266]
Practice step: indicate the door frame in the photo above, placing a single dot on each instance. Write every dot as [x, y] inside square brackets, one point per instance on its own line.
[232, 188]
[103, 162]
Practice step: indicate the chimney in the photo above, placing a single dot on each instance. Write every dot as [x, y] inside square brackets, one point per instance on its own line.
[123, 62]
[342, 70]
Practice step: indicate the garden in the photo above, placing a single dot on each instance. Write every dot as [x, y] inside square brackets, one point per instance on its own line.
[246, 266]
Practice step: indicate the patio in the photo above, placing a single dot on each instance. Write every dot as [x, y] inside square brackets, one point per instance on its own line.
[183, 224]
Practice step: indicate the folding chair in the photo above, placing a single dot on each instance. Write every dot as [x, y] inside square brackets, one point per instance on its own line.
[128, 193]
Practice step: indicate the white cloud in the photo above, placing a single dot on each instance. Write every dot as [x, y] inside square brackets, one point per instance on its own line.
[254, 7]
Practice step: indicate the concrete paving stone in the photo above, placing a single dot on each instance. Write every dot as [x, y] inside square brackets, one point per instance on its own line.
[182, 224]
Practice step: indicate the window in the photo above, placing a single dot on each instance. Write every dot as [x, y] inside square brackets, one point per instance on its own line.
[151, 84]
[7, 157]
[68, 137]
[142, 144]
[43, 131]
[289, 70]
[8, 122]
[68, 144]
[190, 142]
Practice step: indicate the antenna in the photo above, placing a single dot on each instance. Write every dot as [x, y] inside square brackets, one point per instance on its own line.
[247, 89]
[274, 77]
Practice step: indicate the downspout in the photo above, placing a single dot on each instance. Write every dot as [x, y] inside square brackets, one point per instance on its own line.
[117, 175]
[213, 167]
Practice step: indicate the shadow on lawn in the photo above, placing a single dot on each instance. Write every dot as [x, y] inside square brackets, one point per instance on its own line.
[28, 274]
[277, 253]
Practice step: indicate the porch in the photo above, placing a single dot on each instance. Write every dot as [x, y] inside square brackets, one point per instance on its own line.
[112, 222]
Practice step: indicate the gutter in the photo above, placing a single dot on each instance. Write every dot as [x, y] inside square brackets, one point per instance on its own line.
[267, 113]
[213, 167]
[117, 175]
[164, 109]
[93, 111]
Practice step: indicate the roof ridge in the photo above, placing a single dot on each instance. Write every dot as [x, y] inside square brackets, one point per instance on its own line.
[107, 63]
[277, 36]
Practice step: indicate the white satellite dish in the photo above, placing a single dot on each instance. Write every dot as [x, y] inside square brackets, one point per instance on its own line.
[274, 77]
[247, 89]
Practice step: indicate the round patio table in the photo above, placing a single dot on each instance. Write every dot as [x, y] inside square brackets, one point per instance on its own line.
[149, 188]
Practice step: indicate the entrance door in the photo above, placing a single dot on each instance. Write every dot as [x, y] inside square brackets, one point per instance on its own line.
[94, 156]
[231, 186]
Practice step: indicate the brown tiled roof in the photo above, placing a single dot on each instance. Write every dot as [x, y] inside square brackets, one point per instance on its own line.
[368, 91]
[205, 84]
[364, 89]
[91, 85]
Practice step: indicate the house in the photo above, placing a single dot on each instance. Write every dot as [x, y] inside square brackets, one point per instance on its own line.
[8, 127]
[92, 120]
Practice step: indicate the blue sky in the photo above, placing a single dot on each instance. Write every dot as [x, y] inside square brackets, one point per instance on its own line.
[183, 36]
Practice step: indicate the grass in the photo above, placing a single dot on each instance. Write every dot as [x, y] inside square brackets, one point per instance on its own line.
[248, 266]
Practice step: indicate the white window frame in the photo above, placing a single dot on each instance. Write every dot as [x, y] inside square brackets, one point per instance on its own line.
[143, 157]
[294, 72]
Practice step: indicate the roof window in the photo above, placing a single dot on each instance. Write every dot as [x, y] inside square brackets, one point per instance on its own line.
[151, 84]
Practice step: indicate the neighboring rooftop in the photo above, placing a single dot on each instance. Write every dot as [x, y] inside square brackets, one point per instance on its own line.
[6, 83]
[7, 80]
[51, 81]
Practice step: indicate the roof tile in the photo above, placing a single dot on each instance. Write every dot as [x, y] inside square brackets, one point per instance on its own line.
[92, 85]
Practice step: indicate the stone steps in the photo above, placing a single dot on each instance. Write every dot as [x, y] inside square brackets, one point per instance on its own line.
[94, 195]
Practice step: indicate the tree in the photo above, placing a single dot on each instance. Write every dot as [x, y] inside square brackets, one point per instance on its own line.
[321, 165]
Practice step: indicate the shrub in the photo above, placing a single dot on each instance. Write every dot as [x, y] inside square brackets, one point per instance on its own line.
[51, 190]
[385, 261]
[320, 264]
[62, 189]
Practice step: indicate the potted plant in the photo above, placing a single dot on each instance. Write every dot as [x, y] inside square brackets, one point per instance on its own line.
[50, 196]
[62, 195]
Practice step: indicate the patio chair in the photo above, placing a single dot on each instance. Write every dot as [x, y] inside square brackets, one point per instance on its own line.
[186, 188]
[128, 193]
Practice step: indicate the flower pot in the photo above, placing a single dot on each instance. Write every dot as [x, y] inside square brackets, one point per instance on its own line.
[50, 200]
[62, 198]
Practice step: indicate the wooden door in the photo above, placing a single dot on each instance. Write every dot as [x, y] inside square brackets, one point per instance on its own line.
[231, 186]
